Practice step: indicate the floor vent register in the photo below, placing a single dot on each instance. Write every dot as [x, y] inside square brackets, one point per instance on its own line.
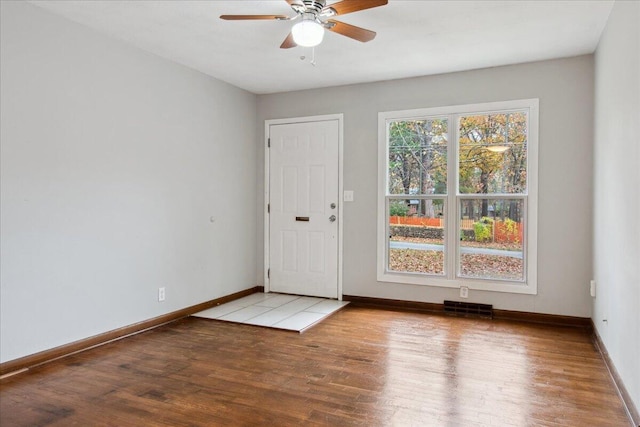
[468, 309]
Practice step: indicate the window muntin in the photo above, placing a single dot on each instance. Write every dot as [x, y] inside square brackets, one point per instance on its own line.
[418, 156]
[417, 168]
[492, 153]
[416, 243]
[465, 168]
[491, 246]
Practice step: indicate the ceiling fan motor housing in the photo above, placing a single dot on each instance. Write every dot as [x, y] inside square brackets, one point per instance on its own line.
[310, 6]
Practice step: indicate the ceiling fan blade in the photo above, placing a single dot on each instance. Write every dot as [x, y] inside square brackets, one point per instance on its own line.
[252, 17]
[351, 31]
[348, 6]
[288, 42]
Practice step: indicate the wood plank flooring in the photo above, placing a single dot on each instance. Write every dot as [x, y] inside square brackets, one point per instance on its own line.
[361, 366]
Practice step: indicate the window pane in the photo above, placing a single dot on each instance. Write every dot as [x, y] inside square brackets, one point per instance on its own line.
[491, 239]
[493, 153]
[416, 236]
[418, 157]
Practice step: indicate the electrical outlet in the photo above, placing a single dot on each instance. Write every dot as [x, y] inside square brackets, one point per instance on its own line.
[161, 294]
[464, 292]
[348, 196]
[592, 288]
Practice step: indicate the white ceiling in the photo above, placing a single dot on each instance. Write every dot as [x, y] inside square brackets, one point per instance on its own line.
[414, 38]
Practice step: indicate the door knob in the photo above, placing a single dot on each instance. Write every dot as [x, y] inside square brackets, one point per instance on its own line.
[332, 218]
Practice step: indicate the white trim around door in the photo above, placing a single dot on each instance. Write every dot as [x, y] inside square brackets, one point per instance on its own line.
[267, 196]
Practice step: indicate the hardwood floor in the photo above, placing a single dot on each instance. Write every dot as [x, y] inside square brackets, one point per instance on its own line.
[361, 366]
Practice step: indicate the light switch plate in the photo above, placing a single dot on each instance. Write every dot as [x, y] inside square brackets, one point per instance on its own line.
[348, 196]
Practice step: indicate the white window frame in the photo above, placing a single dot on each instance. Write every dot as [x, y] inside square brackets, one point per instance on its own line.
[452, 216]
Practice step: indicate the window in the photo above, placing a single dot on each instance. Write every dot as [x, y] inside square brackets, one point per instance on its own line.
[458, 196]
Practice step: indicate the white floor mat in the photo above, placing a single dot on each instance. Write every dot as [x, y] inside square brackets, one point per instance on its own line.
[290, 312]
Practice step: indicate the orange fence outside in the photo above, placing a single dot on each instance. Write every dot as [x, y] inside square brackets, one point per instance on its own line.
[415, 220]
[503, 231]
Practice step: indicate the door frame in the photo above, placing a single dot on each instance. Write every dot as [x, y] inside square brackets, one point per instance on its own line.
[267, 175]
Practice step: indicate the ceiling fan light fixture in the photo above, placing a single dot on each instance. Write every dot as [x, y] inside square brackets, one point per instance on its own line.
[307, 33]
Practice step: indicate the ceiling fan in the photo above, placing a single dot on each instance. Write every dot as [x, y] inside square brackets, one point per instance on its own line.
[314, 19]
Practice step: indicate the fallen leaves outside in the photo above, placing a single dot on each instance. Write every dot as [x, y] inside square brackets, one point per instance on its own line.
[471, 265]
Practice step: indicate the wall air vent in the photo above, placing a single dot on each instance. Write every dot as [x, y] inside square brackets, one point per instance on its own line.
[468, 309]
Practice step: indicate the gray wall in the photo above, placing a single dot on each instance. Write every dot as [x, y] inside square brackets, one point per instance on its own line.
[113, 162]
[616, 244]
[565, 90]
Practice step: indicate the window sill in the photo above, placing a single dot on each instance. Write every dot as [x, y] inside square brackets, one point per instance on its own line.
[527, 288]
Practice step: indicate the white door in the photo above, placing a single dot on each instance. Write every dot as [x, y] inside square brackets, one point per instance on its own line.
[303, 208]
